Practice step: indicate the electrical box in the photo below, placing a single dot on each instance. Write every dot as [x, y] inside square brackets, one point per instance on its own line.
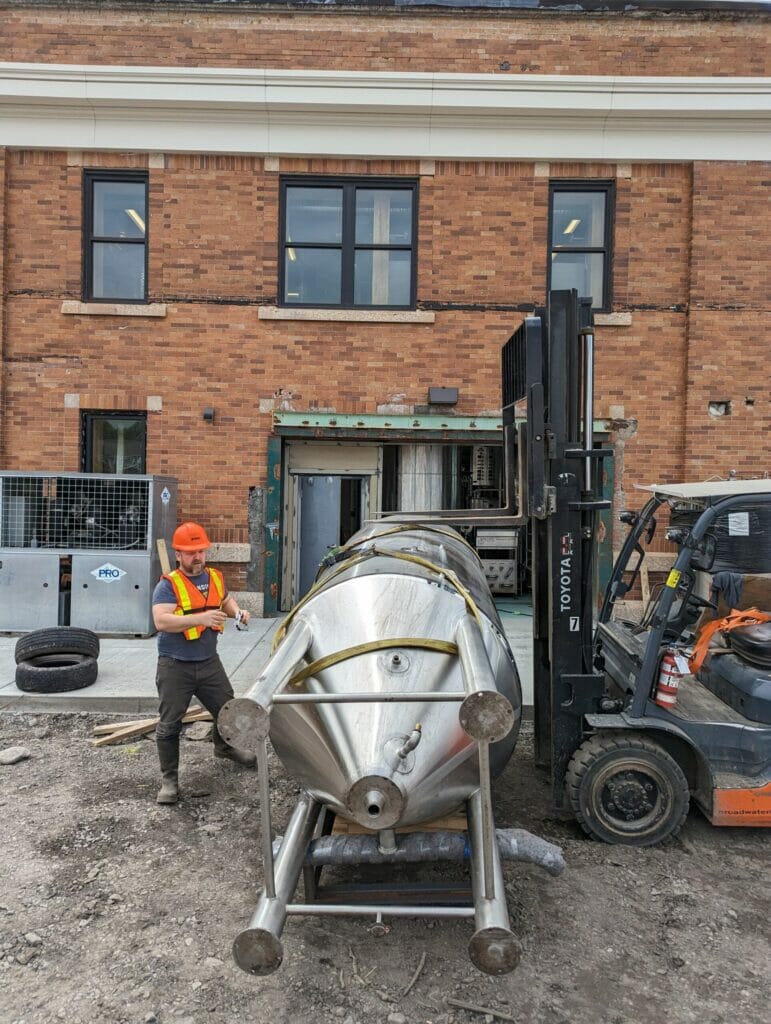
[80, 549]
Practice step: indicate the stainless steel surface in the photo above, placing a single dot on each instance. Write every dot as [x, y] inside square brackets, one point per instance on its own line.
[246, 719]
[340, 752]
[266, 829]
[493, 947]
[488, 833]
[399, 628]
[485, 714]
[258, 949]
[368, 910]
[29, 590]
[367, 698]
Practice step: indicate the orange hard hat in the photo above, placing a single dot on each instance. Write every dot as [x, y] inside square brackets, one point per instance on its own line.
[190, 537]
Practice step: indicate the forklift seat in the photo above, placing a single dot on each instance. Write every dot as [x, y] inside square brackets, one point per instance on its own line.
[752, 643]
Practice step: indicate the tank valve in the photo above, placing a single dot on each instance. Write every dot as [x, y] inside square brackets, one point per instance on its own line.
[412, 742]
[379, 928]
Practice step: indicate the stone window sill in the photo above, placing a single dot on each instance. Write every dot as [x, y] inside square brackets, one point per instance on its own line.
[612, 319]
[367, 316]
[113, 308]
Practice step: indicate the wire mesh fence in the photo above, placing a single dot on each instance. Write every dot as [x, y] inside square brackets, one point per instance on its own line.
[74, 512]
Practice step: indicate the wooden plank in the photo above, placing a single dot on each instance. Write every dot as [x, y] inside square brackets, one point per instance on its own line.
[163, 555]
[126, 730]
[110, 727]
[450, 823]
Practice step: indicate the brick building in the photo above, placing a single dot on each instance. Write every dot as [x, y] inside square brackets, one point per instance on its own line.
[256, 246]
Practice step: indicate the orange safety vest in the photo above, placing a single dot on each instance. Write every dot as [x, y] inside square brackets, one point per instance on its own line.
[735, 619]
[190, 599]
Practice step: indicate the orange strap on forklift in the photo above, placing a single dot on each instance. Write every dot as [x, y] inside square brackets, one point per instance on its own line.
[734, 619]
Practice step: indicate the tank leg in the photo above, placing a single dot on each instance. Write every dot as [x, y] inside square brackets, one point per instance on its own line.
[258, 949]
[493, 948]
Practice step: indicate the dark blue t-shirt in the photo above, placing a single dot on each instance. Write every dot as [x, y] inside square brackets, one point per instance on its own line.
[175, 645]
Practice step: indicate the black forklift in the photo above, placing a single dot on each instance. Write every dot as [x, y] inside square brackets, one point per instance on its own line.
[623, 764]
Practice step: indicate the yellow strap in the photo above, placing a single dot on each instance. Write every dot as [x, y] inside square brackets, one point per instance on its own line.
[443, 646]
[360, 556]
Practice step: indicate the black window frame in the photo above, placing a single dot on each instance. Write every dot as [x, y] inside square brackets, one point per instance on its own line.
[608, 188]
[87, 418]
[91, 177]
[347, 245]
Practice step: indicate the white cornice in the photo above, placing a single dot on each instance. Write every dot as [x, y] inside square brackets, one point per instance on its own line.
[374, 114]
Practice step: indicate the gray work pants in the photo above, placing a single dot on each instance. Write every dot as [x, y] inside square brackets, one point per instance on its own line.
[178, 682]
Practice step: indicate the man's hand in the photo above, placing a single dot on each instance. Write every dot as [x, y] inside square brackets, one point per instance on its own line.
[245, 616]
[212, 617]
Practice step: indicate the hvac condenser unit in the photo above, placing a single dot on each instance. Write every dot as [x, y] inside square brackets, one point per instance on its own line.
[80, 549]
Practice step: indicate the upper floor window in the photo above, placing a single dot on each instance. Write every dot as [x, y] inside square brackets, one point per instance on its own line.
[115, 236]
[113, 442]
[348, 242]
[580, 239]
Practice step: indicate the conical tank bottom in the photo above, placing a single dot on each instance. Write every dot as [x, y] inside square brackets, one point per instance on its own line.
[352, 756]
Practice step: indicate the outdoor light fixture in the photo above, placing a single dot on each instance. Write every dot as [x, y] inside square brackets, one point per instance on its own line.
[208, 414]
[442, 396]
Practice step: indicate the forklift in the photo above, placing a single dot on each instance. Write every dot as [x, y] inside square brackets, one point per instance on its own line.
[622, 764]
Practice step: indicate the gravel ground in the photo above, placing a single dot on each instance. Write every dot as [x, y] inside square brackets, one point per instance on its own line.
[113, 909]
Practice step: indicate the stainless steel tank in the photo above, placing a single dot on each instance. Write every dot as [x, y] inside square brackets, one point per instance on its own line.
[348, 755]
[392, 698]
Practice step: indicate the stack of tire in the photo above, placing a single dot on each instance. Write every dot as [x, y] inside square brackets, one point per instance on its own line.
[56, 660]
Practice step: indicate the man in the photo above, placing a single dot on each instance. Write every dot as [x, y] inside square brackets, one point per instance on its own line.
[190, 608]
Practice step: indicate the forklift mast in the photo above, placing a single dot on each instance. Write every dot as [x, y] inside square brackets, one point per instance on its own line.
[549, 364]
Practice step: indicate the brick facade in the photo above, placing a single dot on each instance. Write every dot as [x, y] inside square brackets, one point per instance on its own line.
[690, 258]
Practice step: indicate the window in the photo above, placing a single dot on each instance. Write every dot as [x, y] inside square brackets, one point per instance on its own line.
[580, 237]
[114, 442]
[115, 237]
[348, 243]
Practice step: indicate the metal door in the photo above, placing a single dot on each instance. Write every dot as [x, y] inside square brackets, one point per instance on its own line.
[323, 501]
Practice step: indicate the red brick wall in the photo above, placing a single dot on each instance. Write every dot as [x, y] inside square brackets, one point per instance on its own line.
[213, 227]
[690, 262]
[555, 44]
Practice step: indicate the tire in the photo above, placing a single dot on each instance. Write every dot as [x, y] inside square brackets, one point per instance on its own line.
[56, 673]
[626, 789]
[57, 640]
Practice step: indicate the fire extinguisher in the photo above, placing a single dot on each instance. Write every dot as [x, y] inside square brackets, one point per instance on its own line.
[669, 681]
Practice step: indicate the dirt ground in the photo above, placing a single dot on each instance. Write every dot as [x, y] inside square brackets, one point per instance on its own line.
[113, 909]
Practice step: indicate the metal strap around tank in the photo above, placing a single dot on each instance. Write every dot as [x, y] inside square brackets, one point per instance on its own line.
[373, 552]
[443, 646]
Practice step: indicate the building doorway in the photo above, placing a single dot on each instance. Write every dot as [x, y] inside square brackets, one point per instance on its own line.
[330, 510]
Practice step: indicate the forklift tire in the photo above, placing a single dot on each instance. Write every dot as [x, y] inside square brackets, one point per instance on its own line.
[57, 640]
[626, 789]
[56, 673]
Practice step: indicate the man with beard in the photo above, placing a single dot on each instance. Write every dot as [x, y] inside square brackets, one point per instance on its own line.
[190, 607]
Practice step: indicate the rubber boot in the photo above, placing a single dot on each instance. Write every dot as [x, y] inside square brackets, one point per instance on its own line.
[169, 791]
[168, 755]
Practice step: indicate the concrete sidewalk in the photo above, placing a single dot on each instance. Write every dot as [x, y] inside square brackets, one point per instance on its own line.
[126, 681]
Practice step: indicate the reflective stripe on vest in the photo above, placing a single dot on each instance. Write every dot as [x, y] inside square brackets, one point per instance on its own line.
[191, 600]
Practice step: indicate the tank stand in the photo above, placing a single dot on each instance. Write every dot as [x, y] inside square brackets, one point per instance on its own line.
[308, 846]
